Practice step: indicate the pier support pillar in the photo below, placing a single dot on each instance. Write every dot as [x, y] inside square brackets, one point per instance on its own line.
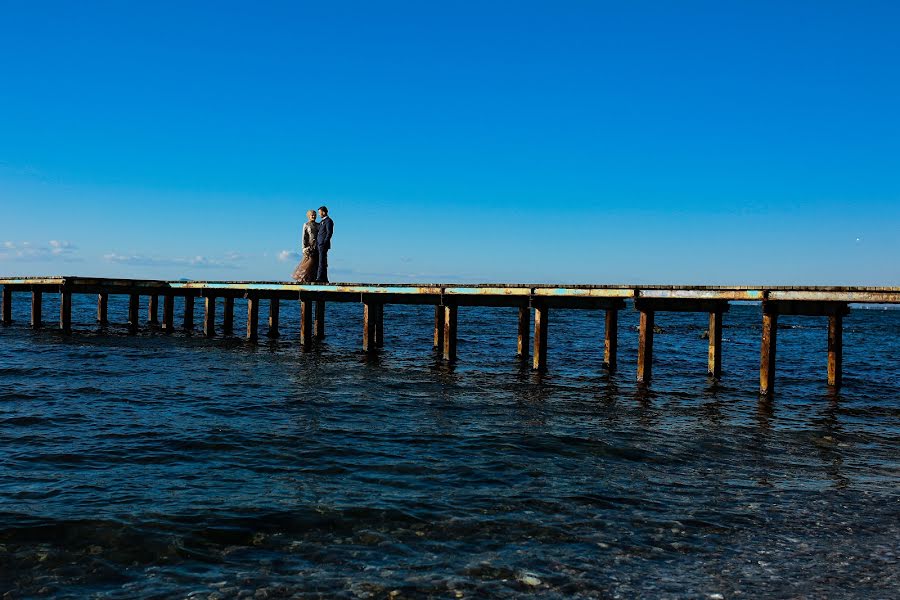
[306, 324]
[168, 322]
[6, 309]
[439, 328]
[188, 313]
[153, 310]
[103, 309]
[65, 311]
[835, 348]
[37, 318]
[767, 351]
[370, 326]
[252, 319]
[611, 341]
[645, 347]
[541, 322]
[714, 363]
[228, 316]
[209, 316]
[274, 313]
[379, 326]
[524, 337]
[133, 309]
[450, 332]
[320, 320]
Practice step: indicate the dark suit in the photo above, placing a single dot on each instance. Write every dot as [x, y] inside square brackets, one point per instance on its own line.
[323, 241]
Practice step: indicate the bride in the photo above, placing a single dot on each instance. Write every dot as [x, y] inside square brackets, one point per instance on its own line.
[306, 270]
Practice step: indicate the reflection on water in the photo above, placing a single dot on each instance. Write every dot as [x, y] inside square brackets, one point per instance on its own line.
[174, 466]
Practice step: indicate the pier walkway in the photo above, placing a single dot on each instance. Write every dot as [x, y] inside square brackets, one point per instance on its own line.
[830, 302]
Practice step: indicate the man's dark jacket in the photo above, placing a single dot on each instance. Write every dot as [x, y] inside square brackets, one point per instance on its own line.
[326, 229]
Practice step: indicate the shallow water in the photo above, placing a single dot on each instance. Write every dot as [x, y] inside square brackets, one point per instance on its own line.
[168, 466]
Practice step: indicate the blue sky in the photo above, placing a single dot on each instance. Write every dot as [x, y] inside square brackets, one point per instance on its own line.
[595, 142]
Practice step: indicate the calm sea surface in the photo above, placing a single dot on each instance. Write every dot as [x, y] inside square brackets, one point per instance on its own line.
[175, 466]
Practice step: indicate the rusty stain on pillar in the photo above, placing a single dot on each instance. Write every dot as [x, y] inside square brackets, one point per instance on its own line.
[767, 350]
[153, 310]
[252, 318]
[306, 323]
[450, 332]
[133, 310]
[228, 316]
[188, 313]
[209, 316]
[37, 308]
[103, 308]
[835, 348]
[320, 320]
[7, 306]
[168, 322]
[611, 340]
[65, 311]
[645, 347]
[714, 361]
[274, 313]
[524, 337]
[439, 328]
[370, 318]
[541, 322]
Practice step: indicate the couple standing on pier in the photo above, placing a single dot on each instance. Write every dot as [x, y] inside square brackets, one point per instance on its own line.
[316, 244]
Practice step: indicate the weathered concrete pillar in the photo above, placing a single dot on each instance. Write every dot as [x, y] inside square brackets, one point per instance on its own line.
[306, 324]
[37, 317]
[835, 348]
[103, 308]
[133, 309]
[439, 328]
[645, 347]
[714, 362]
[168, 323]
[379, 326]
[320, 320]
[541, 323]
[611, 340]
[524, 337]
[209, 316]
[274, 313]
[65, 311]
[188, 313]
[228, 316]
[767, 351]
[153, 310]
[370, 325]
[252, 318]
[450, 332]
[6, 309]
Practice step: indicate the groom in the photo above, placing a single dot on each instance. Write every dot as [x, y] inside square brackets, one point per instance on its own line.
[323, 241]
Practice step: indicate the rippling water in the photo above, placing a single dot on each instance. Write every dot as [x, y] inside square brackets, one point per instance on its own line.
[173, 466]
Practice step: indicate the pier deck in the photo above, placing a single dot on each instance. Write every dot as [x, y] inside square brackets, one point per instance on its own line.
[823, 301]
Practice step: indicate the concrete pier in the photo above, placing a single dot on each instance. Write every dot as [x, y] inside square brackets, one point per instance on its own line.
[831, 303]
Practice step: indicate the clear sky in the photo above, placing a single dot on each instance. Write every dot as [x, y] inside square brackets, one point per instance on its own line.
[597, 142]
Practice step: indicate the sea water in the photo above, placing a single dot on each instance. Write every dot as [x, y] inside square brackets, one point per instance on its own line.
[172, 466]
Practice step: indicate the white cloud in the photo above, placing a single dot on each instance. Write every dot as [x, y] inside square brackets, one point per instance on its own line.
[285, 255]
[26, 251]
[61, 248]
[160, 261]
